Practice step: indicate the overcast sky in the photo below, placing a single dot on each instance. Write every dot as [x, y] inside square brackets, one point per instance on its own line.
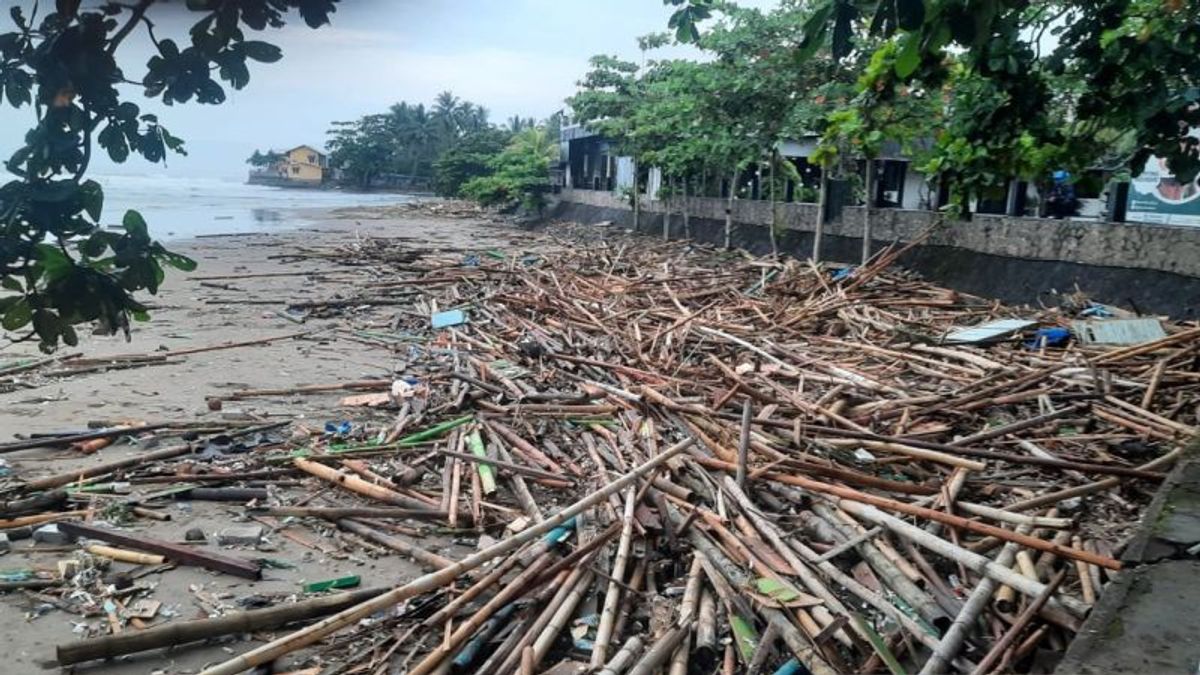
[515, 57]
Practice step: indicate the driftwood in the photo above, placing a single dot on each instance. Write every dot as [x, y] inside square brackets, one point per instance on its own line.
[184, 632]
[182, 554]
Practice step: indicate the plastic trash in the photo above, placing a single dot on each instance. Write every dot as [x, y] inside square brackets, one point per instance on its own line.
[338, 429]
[1051, 337]
[453, 317]
[844, 273]
[1098, 311]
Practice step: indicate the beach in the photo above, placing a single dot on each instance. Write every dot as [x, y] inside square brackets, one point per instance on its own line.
[191, 311]
[425, 399]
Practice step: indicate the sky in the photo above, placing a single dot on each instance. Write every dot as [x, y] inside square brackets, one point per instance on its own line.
[515, 57]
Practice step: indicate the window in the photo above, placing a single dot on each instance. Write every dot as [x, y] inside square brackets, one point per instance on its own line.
[295, 169]
[312, 159]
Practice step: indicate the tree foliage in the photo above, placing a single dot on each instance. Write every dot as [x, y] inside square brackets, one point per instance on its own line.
[1029, 87]
[262, 159]
[520, 175]
[58, 266]
[471, 157]
[407, 139]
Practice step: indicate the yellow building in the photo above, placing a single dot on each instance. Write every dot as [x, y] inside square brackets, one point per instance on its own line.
[304, 164]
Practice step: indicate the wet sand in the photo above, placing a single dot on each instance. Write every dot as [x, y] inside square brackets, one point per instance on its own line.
[188, 314]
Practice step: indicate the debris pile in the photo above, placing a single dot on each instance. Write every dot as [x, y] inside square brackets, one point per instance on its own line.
[636, 457]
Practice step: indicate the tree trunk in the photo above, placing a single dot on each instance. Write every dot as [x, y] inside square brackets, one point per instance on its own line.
[687, 225]
[729, 210]
[666, 225]
[822, 196]
[870, 201]
[774, 205]
[637, 202]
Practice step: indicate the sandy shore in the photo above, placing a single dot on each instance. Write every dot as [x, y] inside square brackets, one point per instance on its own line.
[188, 314]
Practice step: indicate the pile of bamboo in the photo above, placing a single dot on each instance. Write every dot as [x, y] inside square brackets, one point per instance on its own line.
[691, 461]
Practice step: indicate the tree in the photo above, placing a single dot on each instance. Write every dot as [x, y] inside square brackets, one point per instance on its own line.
[264, 159]
[520, 174]
[1132, 65]
[606, 103]
[408, 138]
[761, 96]
[58, 266]
[470, 157]
[363, 149]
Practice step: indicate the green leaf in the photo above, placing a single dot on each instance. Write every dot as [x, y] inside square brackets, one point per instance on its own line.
[11, 284]
[18, 88]
[18, 315]
[179, 262]
[263, 52]
[54, 262]
[95, 245]
[879, 645]
[777, 590]
[135, 225]
[93, 199]
[745, 638]
[911, 13]
[909, 56]
[48, 325]
[69, 336]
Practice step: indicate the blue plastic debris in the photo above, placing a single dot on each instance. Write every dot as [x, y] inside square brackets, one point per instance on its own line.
[792, 667]
[453, 317]
[1051, 337]
[471, 260]
[1098, 311]
[338, 428]
[844, 273]
[560, 533]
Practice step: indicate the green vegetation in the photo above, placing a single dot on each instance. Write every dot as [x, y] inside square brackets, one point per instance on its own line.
[406, 140]
[58, 266]
[471, 157]
[1025, 88]
[520, 174]
[454, 147]
[264, 159]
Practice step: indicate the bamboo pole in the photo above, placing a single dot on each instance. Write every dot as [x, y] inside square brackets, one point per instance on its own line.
[183, 632]
[357, 485]
[122, 555]
[304, 637]
[976, 603]
[661, 650]
[971, 560]
[688, 611]
[797, 642]
[413, 551]
[467, 628]
[1014, 631]
[862, 498]
[608, 615]
[743, 444]
[624, 658]
[925, 606]
[789, 552]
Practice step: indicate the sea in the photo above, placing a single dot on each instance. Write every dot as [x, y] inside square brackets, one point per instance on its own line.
[182, 208]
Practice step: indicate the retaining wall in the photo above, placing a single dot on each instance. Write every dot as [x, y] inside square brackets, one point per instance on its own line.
[1150, 268]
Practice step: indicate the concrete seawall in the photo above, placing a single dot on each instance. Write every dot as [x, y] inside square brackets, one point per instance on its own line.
[1151, 268]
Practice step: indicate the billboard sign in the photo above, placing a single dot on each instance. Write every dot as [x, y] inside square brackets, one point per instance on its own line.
[1156, 196]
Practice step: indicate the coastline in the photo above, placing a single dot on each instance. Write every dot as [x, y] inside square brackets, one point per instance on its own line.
[190, 311]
